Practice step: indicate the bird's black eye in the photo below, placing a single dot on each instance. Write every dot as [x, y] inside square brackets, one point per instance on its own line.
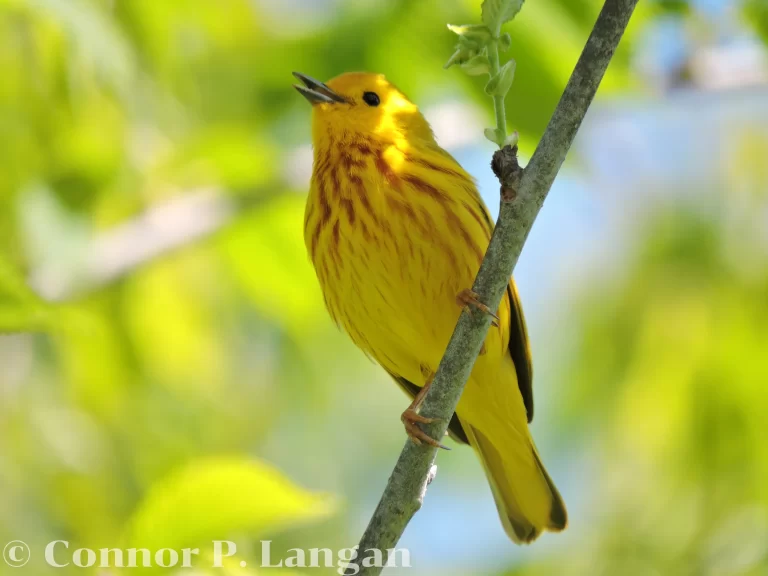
[371, 98]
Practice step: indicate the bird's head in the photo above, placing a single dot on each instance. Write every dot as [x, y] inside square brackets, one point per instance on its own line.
[361, 105]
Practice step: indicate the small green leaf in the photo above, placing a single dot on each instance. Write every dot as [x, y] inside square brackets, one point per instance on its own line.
[477, 65]
[512, 139]
[476, 32]
[473, 38]
[456, 58]
[493, 135]
[462, 54]
[469, 45]
[505, 41]
[497, 12]
[500, 84]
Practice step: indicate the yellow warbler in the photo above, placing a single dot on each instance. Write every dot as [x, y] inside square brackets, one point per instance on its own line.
[396, 231]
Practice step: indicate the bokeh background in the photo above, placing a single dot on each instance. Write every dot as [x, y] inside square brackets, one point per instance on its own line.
[168, 375]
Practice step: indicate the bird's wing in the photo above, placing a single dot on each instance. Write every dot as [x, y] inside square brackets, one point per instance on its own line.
[520, 349]
[454, 427]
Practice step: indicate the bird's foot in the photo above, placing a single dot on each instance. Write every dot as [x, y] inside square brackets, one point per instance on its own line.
[468, 300]
[411, 420]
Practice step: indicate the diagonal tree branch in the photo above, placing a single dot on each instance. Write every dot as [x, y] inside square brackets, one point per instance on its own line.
[523, 193]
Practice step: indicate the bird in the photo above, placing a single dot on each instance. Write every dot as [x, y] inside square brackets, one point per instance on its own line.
[396, 231]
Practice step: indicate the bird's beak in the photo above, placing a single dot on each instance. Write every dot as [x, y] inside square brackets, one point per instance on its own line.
[315, 91]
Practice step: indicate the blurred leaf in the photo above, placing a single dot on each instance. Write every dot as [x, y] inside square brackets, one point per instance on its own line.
[170, 318]
[21, 319]
[674, 6]
[235, 158]
[93, 363]
[266, 253]
[20, 308]
[100, 45]
[88, 151]
[757, 14]
[212, 498]
[13, 285]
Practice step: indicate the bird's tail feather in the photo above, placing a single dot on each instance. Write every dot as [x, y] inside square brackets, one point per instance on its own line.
[525, 495]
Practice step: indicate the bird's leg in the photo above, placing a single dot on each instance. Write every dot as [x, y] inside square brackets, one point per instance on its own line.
[468, 300]
[411, 419]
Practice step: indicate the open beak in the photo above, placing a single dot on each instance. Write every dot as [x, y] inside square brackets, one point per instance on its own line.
[315, 91]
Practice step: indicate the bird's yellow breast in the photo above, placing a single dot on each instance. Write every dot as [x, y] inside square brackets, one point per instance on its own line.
[395, 232]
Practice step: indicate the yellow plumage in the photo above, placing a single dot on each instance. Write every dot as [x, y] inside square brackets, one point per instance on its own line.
[396, 229]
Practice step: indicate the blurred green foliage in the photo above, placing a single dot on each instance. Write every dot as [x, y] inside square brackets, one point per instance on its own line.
[757, 13]
[666, 388]
[144, 404]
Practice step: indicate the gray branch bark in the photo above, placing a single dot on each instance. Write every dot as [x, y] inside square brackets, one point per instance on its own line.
[523, 193]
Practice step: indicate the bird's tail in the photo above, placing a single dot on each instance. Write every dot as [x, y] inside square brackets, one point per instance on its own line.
[525, 495]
